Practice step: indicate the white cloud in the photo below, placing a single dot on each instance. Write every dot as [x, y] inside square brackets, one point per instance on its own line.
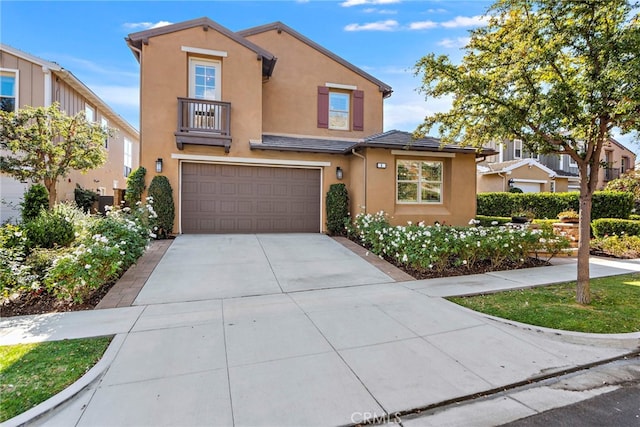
[380, 11]
[145, 25]
[436, 10]
[423, 25]
[350, 3]
[388, 25]
[457, 42]
[466, 21]
[115, 95]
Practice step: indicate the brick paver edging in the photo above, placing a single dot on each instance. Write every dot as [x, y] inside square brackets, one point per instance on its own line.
[387, 268]
[125, 291]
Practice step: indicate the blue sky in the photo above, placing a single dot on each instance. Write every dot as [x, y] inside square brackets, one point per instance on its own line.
[384, 37]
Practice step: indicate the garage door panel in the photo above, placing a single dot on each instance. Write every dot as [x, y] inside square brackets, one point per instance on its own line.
[249, 199]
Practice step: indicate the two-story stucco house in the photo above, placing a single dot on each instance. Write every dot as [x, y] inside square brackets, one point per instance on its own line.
[252, 127]
[27, 80]
[515, 167]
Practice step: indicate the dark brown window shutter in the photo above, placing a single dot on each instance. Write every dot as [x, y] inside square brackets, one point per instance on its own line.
[323, 107]
[358, 110]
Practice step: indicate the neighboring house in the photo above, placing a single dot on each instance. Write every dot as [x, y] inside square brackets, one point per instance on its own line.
[27, 80]
[252, 127]
[514, 167]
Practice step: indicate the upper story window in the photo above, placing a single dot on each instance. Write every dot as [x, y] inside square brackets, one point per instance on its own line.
[419, 181]
[204, 79]
[8, 90]
[90, 113]
[105, 125]
[340, 107]
[572, 162]
[339, 103]
[517, 149]
[128, 157]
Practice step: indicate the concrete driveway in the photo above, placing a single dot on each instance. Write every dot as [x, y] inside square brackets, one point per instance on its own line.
[296, 330]
[203, 267]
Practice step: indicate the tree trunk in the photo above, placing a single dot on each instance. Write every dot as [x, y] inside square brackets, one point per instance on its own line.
[583, 293]
[51, 188]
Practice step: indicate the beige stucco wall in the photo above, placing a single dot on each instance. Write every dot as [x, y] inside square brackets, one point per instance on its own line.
[490, 183]
[616, 153]
[459, 196]
[290, 95]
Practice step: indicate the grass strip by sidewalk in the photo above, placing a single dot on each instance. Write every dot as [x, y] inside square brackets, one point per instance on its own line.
[32, 373]
[614, 308]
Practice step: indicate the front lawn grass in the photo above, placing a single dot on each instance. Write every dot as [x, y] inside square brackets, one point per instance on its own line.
[32, 373]
[614, 308]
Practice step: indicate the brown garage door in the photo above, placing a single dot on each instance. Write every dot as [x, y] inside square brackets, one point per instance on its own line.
[249, 199]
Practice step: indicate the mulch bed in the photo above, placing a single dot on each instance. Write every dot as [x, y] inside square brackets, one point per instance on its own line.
[40, 303]
[479, 268]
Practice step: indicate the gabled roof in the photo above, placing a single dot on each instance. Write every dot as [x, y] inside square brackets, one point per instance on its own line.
[279, 26]
[75, 83]
[402, 140]
[506, 167]
[136, 40]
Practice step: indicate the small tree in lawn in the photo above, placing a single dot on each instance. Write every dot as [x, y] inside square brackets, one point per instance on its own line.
[558, 75]
[44, 144]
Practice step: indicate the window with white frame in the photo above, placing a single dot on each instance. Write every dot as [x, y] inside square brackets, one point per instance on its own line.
[105, 125]
[8, 90]
[90, 113]
[572, 162]
[418, 181]
[517, 149]
[339, 110]
[128, 157]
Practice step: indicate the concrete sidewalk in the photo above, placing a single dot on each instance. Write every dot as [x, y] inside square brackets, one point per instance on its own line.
[334, 354]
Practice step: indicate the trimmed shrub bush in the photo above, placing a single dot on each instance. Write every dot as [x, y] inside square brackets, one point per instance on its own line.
[617, 246]
[606, 204]
[161, 193]
[615, 227]
[515, 190]
[337, 209]
[84, 198]
[634, 217]
[36, 198]
[50, 229]
[135, 186]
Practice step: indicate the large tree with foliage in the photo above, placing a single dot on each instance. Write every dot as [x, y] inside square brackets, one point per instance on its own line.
[558, 75]
[44, 144]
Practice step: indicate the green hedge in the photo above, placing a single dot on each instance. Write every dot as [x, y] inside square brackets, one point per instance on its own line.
[635, 217]
[337, 209]
[606, 204]
[614, 226]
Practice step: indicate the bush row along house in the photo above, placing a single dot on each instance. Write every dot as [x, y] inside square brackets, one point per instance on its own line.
[252, 127]
[515, 167]
[27, 80]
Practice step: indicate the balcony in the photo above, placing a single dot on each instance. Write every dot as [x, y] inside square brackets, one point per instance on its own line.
[611, 173]
[203, 122]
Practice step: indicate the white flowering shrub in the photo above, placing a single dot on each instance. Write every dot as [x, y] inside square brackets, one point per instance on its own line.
[105, 248]
[438, 248]
[102, 248]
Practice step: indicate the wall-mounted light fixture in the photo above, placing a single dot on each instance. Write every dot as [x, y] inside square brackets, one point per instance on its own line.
[381, 165]
[339, 173]
[159, 165]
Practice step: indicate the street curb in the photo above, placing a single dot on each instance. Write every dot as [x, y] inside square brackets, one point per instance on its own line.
[629, 341]
[93, 375]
